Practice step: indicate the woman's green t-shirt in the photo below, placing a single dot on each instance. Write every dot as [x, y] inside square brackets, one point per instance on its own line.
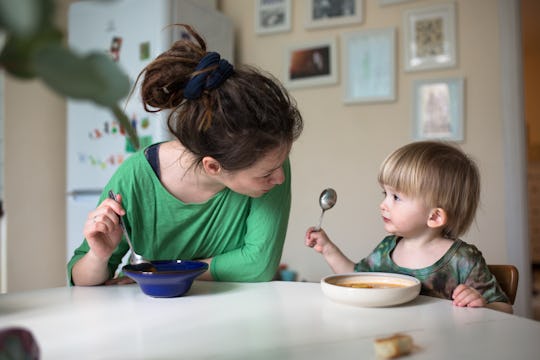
[243, 235]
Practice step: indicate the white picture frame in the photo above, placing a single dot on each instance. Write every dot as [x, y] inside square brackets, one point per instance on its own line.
[328, 13]
[311, 63]
[392, 2]
[272, 16]
[429, 37]
[369, 65]
[438, 112]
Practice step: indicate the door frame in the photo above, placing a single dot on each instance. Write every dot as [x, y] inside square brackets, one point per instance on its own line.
[515, 156]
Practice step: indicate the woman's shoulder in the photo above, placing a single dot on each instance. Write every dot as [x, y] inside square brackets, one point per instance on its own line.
[138, 159]
[133, 169]
[132, 164]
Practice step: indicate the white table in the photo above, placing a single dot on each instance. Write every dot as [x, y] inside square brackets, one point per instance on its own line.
[275, 320]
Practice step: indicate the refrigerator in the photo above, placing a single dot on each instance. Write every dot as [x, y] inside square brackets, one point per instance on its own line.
[133, 32]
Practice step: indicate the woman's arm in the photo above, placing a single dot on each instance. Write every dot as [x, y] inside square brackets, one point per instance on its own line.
[207, 275]
[266, 226]
[90, 270]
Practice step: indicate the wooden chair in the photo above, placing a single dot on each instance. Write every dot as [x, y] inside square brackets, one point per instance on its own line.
[507, 276]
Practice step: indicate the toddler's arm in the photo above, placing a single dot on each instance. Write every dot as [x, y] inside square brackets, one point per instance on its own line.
[319, 241]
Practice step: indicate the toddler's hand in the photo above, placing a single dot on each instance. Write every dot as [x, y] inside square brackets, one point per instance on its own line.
[316, 239]
[310, 241]
[464, 295]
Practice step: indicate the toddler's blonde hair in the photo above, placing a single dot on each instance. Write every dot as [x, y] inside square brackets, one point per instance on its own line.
[441, 175]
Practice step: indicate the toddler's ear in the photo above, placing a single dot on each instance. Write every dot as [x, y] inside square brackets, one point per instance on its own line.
[437, 218]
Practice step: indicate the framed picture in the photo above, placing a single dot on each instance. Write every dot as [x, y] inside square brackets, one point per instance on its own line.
[272, 16]
[429, 37]
[369, 66]
[392, 2]
[325, 13]
[438, 109]
[311, 64]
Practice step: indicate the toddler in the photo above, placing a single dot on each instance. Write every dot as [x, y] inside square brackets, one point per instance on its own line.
[431, 192]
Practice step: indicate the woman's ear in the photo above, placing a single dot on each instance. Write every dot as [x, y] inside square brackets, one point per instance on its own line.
[437, 218]
[211, 166]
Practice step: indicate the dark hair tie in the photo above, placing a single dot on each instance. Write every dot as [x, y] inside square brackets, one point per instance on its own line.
[208, 80]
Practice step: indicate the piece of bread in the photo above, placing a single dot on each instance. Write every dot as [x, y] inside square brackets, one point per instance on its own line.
[393, 346]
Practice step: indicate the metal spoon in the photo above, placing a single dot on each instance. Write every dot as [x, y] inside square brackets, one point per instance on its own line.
[327, 200]
[137, 262]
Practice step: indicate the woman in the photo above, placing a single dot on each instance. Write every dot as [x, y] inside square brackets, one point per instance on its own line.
[219, 192]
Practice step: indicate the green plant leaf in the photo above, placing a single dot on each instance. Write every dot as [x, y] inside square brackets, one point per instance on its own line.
[33, 48]
[94, 77]
[25, 17]
[16, 58]
[18, 52]
[117, 81]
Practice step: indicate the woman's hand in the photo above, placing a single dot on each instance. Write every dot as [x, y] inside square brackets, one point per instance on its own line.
[102, 229]
[464, 295]
[103, 233]
[121, 280]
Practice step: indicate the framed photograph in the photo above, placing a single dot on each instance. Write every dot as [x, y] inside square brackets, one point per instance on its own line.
[369, 66]
[326, 13]
[272, 16]
[311, 64]
[392, 2]
[438, 109]
[429, 37]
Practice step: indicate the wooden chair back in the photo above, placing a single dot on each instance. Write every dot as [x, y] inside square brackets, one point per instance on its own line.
[507, 276]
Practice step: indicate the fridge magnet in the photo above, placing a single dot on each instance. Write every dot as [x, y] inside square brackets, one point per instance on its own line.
[145, 123]
[429, 37]
[327, 13]
[272, 16]
[368, 64]
[438, 109]
[122, 130]
[144, 51]
[311, 64]
[111, 160]
[114, 127]
[134, 122]
[116, 45]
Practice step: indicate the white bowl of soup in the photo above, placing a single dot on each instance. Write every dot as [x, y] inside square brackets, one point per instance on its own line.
[370, 289]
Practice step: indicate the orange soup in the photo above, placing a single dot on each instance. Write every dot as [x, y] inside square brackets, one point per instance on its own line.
[371, 285]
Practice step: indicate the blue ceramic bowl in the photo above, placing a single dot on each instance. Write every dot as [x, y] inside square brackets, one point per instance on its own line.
[172, 278]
